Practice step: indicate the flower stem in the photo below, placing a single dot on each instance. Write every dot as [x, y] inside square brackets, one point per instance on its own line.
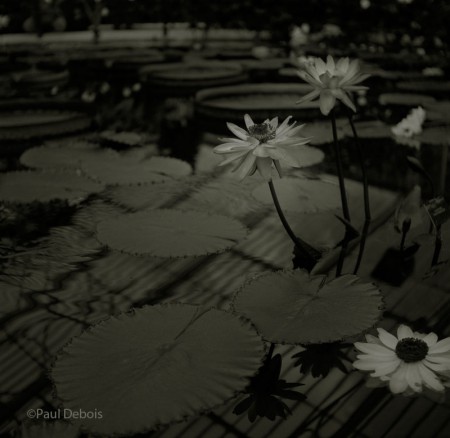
[306, 250]
[337, 151]
[362, 245]
[363, 170]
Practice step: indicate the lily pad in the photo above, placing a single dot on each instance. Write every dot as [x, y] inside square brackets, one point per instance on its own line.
[437, 135]
[114, 168]
[54, 157]
[170, 233]
[142, 196]
[124, 138]
[29, 186]
[293, 308]
[405, 99]
[301, 195]
[156, 366]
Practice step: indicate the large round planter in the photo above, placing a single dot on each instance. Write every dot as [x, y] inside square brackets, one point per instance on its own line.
[25, 120]
[217, 106]
[39, 81]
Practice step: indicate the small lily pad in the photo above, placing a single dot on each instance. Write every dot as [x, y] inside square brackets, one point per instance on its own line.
[170, 233]
[29, 186]
[293, 308]
[156, 366]
[301, 195]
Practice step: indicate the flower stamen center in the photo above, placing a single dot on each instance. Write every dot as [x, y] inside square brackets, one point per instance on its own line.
[262, 132]
[411, 350]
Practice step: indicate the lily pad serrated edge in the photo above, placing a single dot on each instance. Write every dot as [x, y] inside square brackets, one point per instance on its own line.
[243, 320]
[280, 272]
[207, 254]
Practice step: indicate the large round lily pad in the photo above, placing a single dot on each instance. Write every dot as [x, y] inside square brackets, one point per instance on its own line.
[54, 157]
[293, 308]
[170, 233]
[156, 366]
[301, 195]
[113, 168]
[29, 186]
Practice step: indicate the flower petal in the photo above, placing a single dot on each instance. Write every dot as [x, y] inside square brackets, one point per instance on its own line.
[227, 148]
[442, 346]
[404, 331]
[248, 121]
[264, 166]
[246, 167]
[387, 339]
[233, 157]
[430, 339]
[374, 349]
[398, 383]
[437, 366]
[330, 64]
[315, 82]
[327, 102]
[238, 132]
[386, 368]
[283, 127]
[430, 379]
[413, 377]
[309, 97]
[343, 96]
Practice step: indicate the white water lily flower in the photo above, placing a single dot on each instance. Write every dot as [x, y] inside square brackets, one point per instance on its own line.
[411, 125]
[332, 80]
[407, 362]
[262, 145]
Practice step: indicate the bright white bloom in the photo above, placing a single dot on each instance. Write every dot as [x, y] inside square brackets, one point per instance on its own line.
[332, 81]
[407, 362]
[412, 124]
[262, 145]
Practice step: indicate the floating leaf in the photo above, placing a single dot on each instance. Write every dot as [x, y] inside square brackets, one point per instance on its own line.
[143, 196]
[437, 135]
[293, 308]
[301, 195]
[405, 99]
[51, 157]
[123, 138]
[156, 366]
[170, 233]
[114, 168]
[29, 186]
[224, 196]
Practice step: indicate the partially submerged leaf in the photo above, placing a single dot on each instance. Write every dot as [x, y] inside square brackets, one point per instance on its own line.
[293, 308]
[301, 195]
[29, 186]
[156, 366]
[170, 233]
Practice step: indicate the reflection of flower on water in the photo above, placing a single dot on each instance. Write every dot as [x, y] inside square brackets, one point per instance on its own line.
[262, 145]
[406, 362]
[409, 127]
[332, 80]
[266, 390]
